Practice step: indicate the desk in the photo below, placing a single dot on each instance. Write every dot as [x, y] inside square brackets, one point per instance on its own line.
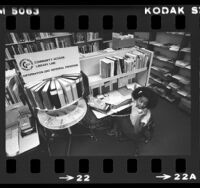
[116, 97]
[16, 144]
[65, 121]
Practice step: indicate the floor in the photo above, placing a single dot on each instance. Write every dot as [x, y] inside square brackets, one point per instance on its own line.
[171, 137]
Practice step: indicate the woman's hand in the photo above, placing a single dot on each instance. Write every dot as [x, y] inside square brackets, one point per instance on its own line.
[142, 124]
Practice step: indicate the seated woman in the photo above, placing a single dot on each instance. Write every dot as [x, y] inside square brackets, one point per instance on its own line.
[144, 99]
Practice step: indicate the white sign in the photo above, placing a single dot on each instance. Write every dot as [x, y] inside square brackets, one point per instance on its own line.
[47, 64]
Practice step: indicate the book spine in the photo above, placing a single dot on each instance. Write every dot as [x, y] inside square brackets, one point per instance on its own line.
[39, 99]
[79, 87]
[46, 100]
[54, 98]
[74, 91]
[69, 94]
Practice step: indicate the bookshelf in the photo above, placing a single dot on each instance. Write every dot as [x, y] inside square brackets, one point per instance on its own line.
[171, 66]
[19, 43]
[140, 75]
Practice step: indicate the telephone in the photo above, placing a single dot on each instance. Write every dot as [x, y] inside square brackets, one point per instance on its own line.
[27, 125]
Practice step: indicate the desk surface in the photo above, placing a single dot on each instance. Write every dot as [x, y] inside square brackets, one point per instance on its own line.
[100, 115]
[116, 97]
[64, 121]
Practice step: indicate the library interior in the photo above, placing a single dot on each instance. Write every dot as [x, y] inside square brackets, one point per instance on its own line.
[92, 94]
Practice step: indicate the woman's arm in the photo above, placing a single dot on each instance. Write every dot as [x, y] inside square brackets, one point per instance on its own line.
[145, 119]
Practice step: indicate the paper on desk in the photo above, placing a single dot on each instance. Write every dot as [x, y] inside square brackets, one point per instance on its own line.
[133, 86]
[100, 115]
[115, 98]
[12, 141]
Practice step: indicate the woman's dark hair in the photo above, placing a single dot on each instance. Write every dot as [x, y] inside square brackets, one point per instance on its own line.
[148, 93]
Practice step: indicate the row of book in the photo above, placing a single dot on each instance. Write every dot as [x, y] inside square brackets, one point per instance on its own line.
[92, 35]
[111, 66]
[11, 91]
[88, 48]
[55, 93]
[26, 37]
[10, 51]
[85, 36]
[122, 37]
[170, 46]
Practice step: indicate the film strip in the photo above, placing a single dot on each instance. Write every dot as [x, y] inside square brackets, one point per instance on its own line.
[175, 165]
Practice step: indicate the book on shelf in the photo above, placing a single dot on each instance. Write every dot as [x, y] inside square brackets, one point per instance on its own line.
[174, 48]
[181, 63]
[60, 93]
[155, 43]
[54, 95]
[181, 79]
[186, 49]
[29, 93]
[114, 84]
[183, 93]
[67, 90]
[115, 65]
[174, 85]
[37, 95]
[162, 58]
[105, 67]
[120, 64]
[74, 88]
[46, 95]
[79, 83]
[92, 35]
[106, 87]
[164, 70]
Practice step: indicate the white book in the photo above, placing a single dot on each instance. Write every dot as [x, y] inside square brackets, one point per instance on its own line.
[73, 84]
[67, 90]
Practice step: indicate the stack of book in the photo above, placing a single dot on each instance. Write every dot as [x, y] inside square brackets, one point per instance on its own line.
[174, 85]
[115, 65]
[186, 49]
[155, 43]
[174, 48]
[181, 63]
[55, 93]
[181, 79]
[122, 37]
